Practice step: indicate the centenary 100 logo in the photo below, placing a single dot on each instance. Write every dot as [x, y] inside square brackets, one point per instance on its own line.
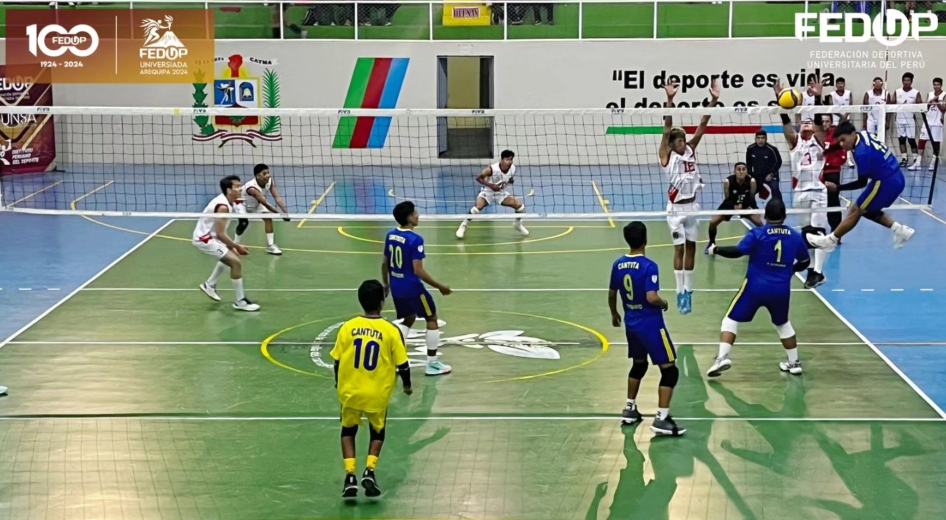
[82, 40]
[898, 26]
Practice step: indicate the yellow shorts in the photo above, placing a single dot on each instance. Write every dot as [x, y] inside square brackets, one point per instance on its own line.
[352, 417]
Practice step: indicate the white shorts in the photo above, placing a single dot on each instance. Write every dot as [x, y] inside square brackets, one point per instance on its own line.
[683, 228]
[812, 199]
[493, 197]
[872, 127]
[907, 130]
[250, 205]
[937, 132]
[212, 247]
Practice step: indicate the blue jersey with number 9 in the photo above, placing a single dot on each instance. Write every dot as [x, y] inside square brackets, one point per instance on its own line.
[874, 159]
[401, 248]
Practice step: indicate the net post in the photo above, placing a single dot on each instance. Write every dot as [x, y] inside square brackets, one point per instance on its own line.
[581, 24]
[355, 21]
[656, 5]
[430, 19]
[505, 21]
[935, 150]
[731, 8]
[282, 21]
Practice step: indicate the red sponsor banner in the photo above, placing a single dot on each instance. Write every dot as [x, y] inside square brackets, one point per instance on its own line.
[109, 45]
[27, 141]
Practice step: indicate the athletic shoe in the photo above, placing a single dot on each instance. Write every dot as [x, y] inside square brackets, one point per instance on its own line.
[814, 279]
[903, 162]
[210, 290]
[902, 236]
[667, 427]
[350, 490]
[631, 416]
[245, 305]
[932, 165]
[274, 250]
[437, 368]
[719, 366]
[370, 483]
[823, 242]
[917, 164]
[520, 228]
[462, 231]
[688, 301]
[681, 304]
[793, 368]
[3, 390]
[708, 246]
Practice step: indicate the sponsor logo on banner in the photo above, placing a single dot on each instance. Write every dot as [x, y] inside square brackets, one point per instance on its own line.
[27, 141]
[890, 28]
[241, 83]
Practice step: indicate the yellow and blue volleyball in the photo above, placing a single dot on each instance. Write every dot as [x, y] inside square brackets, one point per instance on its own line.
[789, 98]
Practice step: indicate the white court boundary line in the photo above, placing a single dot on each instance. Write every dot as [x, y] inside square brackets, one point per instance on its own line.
[310, 343]
[473, 290]
[81, 287]
[597, 418]
[873, 347]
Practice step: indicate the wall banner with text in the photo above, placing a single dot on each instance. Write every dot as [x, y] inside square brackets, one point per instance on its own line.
[27, 141]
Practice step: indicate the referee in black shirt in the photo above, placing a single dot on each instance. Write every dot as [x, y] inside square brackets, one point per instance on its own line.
[764, 162]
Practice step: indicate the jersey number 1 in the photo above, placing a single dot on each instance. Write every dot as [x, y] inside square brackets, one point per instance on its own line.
[367, 356]
[778, 251]
[397, 256]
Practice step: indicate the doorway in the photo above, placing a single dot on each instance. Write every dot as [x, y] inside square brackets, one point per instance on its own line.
[465, 82]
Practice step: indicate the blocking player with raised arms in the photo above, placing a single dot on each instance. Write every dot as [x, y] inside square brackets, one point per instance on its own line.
[254, 201]
[368, 351]
[936, 104]
[494, 179]
[403, 273]
[678, 159]
[875, 96]
[776, 252]
[906, 121]
[636, 279]
[210, 236]
[880, 176]
[808, 160]
[739, 190]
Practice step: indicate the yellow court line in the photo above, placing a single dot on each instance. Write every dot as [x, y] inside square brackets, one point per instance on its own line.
[317, 202]
[35, 193]
[341, 231]
[604, 203]
[96, 190]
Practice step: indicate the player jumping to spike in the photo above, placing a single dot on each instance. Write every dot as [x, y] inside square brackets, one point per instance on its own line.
[739, 190]
[403, 273]
[210, 236]
[635, 277]
[775, 252]
[254, 201]
[678, 159]
[494, 179]
[880, 175]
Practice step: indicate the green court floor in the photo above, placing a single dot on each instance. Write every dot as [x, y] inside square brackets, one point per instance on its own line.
[140, 398]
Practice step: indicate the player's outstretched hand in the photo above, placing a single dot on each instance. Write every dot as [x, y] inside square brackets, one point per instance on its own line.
[242, 251]
[285, 217]
[831, 186]
[408, 390]
[615, 320]
[715, 89]
[671, 89]
[445, 290]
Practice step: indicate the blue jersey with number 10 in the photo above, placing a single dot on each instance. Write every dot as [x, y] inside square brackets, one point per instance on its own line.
[401, 248]
[874, 159]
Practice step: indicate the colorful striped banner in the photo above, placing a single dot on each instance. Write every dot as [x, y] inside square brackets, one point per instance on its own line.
[658, 130]
[375, 83]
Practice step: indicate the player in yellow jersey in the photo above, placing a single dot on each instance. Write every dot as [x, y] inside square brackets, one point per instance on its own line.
[366, 353]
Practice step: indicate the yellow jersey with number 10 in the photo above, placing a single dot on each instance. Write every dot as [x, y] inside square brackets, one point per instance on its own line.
[368, 351]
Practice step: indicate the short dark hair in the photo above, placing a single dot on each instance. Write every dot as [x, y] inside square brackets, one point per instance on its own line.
[259, 168]
[844, 128]
[740, 163]
[403, 212]
[775, 210]
[635, 234]
[507, 154]
[907, 75]
[839, 80]
[227, 182]
[880, 79]
[761, 133]
[371, 295]
[938, 80]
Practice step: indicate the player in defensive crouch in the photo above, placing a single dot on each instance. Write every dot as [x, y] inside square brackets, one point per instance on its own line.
[404, 275]
[775, 252]
[368, 352]
[880, 176]
[635, 278]
[254, 201]
[739, 190]
[210, 236]
[678, 159]
[494, 179]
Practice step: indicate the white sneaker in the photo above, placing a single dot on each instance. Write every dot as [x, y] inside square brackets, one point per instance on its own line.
[932, 165]
[791, 368]
[462, 231]
[274, 250]
[917, 164]
[824, 242]
[245, 305]
[210, 290]
[719, 366]
[521, 229]
[3, 390]
[437, 368]
[902, 236]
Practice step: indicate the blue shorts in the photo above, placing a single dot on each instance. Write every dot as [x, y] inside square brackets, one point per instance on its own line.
[879, 195]
[421, 305]
[650, 337]
[750, 299]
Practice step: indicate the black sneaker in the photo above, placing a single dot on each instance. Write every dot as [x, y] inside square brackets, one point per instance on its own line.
[631, 416]
[815, 280]
[370, 483]
[667, 427]
[350, 490]
[903, 162]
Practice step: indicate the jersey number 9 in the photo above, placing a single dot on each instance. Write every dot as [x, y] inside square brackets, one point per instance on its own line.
[397, 256]
[629, 286]
[367, 356]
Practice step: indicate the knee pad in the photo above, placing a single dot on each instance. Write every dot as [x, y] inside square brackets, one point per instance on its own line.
[522, 209]
[638, 369]
[376, 436]
[669, 376]
[474, 211]
[912, 142]
[785, 330]
[730, 326]
[811, 230]
[874, 216]
[902, 140]
[242, 224]
[349, 431]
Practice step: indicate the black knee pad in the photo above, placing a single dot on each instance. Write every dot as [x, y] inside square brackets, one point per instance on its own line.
[638, 369]
[242, 224]
[874, 215]
[902, 140]
[349, 431]
[669, 376]
[376, 436]
[912, 142]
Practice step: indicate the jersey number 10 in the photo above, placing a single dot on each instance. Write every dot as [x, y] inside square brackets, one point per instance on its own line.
[367, 356]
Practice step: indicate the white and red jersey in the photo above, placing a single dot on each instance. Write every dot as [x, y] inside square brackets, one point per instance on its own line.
[685, 180]
[807, 165]
[207, 226]
[807, 99]
[906, 97]
[841, 100]
[875, 99]
[264, 190]
[500, 178]
[934, 116]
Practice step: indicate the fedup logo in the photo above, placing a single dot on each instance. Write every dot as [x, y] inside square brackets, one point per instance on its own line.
[890, 28]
